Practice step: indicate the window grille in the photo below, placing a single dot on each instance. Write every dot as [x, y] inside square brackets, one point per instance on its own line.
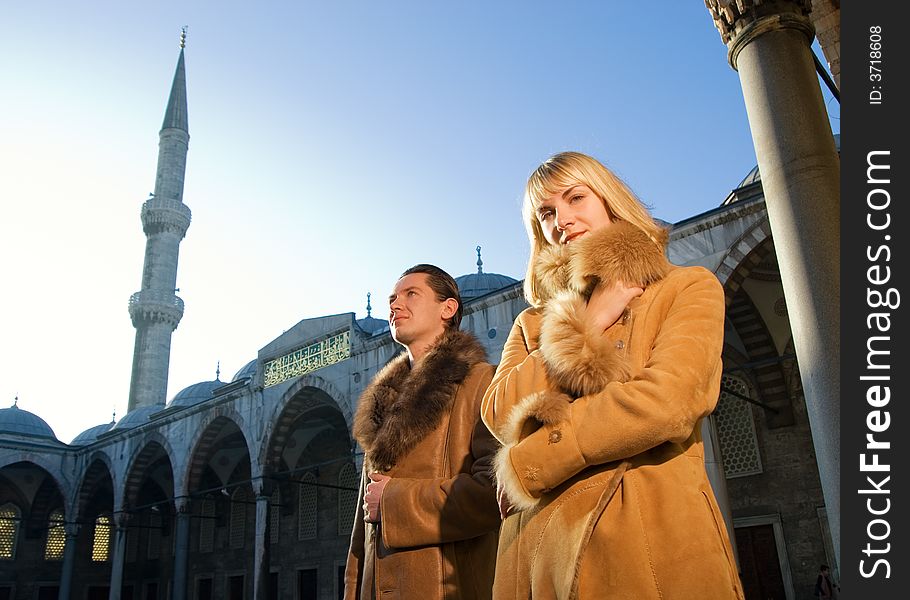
[347, 499]
[9, 530]
[56, 537]
[101, 542]
[207, 526]
[307, 510]
[736, 430]
[153, 551]
[239, 505]
[275, 516]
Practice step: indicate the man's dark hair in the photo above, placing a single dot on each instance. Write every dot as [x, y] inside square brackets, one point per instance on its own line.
[824, 568]
[444, 286]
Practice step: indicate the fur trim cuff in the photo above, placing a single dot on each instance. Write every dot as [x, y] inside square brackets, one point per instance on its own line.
[526, 417]
[510, 482]
[578, 361]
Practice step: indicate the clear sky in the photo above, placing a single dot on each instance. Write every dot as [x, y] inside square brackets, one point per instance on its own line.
[332, 145]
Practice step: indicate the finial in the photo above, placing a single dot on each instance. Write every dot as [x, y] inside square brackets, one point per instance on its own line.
[479, 261]
[369, 308]
[16, 401]
[114, 416]
[218, 371]
[183, 37]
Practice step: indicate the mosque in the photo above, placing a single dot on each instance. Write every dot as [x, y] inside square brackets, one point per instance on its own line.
[247, 487]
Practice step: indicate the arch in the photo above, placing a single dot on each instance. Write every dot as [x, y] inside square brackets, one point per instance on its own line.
[204, 444]
[341, 401]
[97, 476]
[155, 448]
[39, 460]
[748, 251]
[298, 401]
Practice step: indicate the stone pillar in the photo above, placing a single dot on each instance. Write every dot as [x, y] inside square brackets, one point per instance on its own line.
[121, 521]
[714, 465]
[71, 531]
[181, 549]
[769, 45]
[261, 556]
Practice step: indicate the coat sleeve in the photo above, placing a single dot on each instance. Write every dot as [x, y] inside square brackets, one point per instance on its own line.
[662, 402]
[521, 373]
[419, 512]
[353, 570]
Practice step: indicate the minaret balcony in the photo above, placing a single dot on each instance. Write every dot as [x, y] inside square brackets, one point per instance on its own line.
[165, 214]
[155, 305]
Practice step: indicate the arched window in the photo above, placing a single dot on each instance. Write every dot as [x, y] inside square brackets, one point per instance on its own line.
[306, 508]
[736, 429]
[207, 525]
[347, 498]
[101, 541]
[239, 504]
[56, 536]
[9, 530]
[275, 516]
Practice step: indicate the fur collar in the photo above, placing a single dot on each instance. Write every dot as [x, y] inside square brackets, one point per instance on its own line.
[402, 405]
[620, 252]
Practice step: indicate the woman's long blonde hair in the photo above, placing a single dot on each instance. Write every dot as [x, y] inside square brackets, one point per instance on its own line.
[562, 171]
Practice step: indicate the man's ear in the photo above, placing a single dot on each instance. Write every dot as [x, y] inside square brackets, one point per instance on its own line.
[449, 308]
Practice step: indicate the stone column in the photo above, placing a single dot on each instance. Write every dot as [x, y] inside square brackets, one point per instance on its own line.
[181, 549]
[120, 523]
[261, 557]
[769, 45]
[71, 531]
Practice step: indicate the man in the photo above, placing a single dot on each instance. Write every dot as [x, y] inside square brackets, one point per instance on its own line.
[824, 587]
[429, 521]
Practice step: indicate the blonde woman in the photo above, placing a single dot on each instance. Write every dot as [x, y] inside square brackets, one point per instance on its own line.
[598, 402]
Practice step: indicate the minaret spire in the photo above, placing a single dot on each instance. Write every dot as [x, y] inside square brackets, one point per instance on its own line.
[155, 309]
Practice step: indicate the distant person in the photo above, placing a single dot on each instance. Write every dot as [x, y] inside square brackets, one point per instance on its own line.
[598, 401]
[824, 587]
[427, 526]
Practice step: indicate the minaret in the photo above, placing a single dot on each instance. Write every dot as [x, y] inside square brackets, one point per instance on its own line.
[155, 309]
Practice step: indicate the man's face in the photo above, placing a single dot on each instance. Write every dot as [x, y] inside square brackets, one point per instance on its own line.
[415, 315]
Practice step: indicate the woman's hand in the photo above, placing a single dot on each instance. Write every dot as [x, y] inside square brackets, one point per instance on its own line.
[607, 303]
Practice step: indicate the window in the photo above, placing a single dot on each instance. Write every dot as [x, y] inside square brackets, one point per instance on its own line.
[207, 525]
[306, 525]
[239, 504]
[736, 430]
[154, 545]
[347, 498]
[101, 543]
[274, 516]
[56, 536]
[9, 530]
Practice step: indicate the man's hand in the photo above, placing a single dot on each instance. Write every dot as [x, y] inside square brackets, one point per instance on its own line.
[373, 496]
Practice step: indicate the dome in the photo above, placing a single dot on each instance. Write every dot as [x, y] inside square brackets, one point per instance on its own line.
[479, 284]
[196, 393]
[372, 326]
[15, 421]
[138, 416]
[248, 370]
[91, 434]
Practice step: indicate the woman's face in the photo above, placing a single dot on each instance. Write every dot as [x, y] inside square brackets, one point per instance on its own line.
[571, 213]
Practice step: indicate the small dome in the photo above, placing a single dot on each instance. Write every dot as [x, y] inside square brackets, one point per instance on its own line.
[91, 434]
[248, 370]
[373, 326]
[196, 393]
[479, 284]
[15, 421]
[136, 417]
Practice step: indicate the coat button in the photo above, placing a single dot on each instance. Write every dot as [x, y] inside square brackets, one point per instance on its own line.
[554, 437]
[626, 315]
[620, 344]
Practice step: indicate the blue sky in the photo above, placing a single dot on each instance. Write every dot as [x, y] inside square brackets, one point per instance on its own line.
[332, 146]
